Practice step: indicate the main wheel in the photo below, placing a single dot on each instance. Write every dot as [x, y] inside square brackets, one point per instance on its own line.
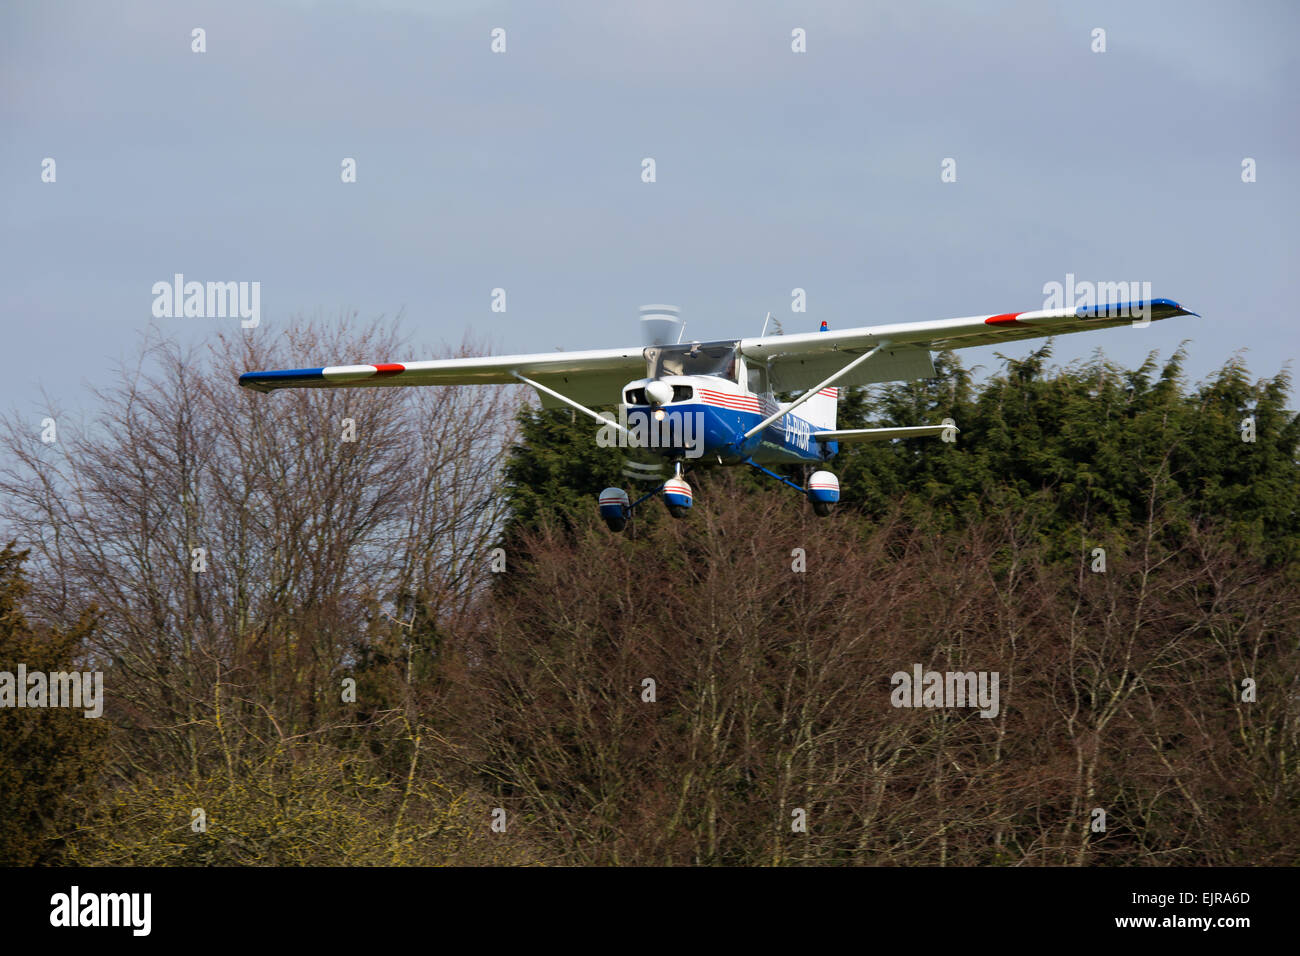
[613, 505]
[823, 491]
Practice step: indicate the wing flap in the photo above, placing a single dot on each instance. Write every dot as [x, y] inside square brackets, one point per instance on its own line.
[890, 365]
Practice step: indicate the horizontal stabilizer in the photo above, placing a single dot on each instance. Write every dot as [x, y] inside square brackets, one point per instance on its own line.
[883, 434]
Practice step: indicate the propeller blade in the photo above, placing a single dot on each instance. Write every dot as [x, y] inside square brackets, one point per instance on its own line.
[660, 324]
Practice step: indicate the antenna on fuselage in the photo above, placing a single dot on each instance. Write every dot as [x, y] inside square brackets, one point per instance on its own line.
[765, 321]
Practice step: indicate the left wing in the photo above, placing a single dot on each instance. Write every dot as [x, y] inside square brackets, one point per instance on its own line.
[593, 377]
[803, 360]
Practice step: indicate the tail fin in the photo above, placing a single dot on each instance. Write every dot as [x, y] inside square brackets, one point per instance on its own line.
[819, 411]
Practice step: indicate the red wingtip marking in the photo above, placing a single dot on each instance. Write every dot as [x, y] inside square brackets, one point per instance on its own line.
[390, 369]
[1008, 318]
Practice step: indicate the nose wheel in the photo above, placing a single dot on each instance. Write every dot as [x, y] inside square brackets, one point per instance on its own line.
[677, 494]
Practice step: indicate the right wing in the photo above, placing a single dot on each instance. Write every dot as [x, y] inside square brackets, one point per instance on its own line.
[593, 377]
[807, 358]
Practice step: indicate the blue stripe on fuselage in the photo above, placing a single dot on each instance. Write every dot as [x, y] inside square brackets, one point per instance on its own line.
[720, 428]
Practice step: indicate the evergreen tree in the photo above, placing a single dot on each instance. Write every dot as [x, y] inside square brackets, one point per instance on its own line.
[49, 756]
[1089, 450]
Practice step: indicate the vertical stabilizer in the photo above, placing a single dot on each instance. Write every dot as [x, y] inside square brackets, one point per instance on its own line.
[819, 411]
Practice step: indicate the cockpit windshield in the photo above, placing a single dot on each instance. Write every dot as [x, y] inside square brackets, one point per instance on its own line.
[707, 358]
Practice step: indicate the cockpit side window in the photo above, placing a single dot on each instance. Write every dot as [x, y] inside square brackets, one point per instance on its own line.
[757, 378]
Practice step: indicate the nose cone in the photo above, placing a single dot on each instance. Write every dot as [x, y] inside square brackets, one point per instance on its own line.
[659, 393]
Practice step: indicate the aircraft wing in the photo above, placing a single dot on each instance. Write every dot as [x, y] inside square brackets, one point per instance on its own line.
[593, 377]
[803, 360]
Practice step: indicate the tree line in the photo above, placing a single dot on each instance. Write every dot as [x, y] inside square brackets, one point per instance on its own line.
[385, 626]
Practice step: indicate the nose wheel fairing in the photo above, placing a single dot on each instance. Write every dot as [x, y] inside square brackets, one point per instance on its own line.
[678, 497]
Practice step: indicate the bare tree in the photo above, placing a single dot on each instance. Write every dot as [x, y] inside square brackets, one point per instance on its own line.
[242, 548]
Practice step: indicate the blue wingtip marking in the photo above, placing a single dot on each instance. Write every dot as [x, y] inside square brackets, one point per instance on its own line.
[288, 376]
[1122, 309]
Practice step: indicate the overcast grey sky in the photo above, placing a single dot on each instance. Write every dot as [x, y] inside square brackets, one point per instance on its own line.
[522, 170]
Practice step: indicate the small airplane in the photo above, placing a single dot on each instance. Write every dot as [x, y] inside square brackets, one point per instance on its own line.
[714, 402]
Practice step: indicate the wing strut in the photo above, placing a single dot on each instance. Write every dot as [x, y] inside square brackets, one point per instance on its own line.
[814, 390]
[568, 401]
[884, 434]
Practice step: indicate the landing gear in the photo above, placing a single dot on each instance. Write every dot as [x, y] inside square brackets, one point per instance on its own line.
[823, 492]
[615, 509]
[823, 488]
[677, 494]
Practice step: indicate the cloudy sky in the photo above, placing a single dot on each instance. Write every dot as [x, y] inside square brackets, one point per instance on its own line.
[775, 170]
